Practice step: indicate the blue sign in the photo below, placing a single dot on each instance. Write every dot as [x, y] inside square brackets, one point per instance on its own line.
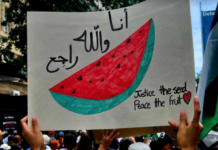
[207, 18]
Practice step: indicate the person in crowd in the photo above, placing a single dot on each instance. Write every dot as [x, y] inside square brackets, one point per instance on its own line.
[85, 143]
[5, 147]
[10, 133]
[133, 138]
[54, 144]
[187, 136]
[107, 139]
[73, 132]
[17, 142]
[164, 141]
[46, 139]
[114, 145]
[139, 146]
[125, 142]
[61, 139]
[139, 138]
[1, 136]
[153, 144]
[10, 140]
[82, 132]
[51, 136]
[146, 139]
[61, 134]
[69, 142]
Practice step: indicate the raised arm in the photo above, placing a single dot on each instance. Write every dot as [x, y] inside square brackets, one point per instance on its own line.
[33, 137]
[188, 135]
[107, 139]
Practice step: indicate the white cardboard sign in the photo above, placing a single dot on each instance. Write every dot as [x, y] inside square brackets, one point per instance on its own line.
[124, 68]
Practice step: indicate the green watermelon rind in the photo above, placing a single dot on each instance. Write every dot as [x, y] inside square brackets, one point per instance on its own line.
[90, 107]
[187, 102]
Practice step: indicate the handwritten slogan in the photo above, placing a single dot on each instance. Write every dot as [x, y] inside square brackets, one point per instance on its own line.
[175, 96]
[84, 38]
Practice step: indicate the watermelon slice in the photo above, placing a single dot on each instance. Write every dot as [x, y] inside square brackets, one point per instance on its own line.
[110, 80]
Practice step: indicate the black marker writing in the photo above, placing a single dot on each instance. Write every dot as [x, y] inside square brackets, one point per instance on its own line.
[62, 60]
[121, 26]
[146, 92]
[159, 103]
[141, 106]
[174, 101]
[84, 35]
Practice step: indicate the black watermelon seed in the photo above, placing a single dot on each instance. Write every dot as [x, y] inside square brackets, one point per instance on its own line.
[80, 78]
[113, 55]
[99, 63]
[124, 56]
[62, 86]
[140, 31]
[128, 41]
[102, 79]
[131, 52]
[118, 66]
[74, 91]
[90, 81]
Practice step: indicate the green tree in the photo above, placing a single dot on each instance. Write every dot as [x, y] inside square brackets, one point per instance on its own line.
[115, 4]
[197, 80]
[17, 13]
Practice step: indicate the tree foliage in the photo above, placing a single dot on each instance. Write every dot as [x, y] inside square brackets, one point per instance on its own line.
[17, 13]
[115, 4]
[197, 80]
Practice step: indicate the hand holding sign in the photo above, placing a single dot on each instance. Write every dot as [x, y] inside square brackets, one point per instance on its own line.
[188, 135]
[33, 137]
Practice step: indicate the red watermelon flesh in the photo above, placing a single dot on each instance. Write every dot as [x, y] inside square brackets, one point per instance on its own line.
[111, 74]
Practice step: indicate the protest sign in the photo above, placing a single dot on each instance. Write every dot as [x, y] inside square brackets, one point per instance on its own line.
[124, 68]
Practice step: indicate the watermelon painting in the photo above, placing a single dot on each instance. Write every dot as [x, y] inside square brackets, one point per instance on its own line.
[110, 80]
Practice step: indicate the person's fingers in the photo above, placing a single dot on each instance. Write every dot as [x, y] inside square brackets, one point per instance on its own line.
[197, 110]
[35, 125]
[112, 133]
[116, 135]
[173, 124]
[201, 126]
[183, 120]
[24, 124]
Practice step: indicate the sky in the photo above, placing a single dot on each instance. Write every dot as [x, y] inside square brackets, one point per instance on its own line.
[206, 5]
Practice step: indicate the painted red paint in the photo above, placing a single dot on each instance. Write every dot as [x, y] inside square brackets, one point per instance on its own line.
[111, 74]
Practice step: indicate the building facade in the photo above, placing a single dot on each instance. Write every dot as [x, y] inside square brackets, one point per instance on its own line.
[206, 21]
[4, 31]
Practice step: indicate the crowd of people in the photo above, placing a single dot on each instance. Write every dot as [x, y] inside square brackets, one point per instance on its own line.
[187, 138]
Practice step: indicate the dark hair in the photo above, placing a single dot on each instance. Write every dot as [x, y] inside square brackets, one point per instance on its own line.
[114, 144]
[163, 140]
[69, 141]
[11, 138]
[84, 143]
[154, 145]
[15, 147]
[125, 142]
[16, 140]
[139, 139]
